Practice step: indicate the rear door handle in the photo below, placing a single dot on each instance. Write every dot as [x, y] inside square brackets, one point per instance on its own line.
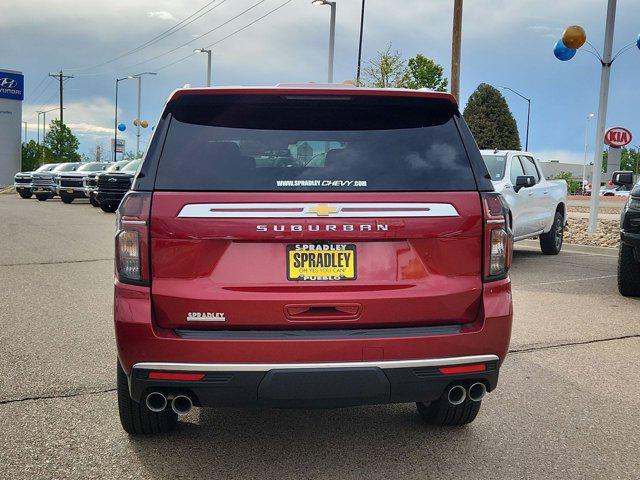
[302, 312]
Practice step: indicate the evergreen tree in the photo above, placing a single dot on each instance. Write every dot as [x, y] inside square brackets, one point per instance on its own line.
[490, 120]
[62, 142]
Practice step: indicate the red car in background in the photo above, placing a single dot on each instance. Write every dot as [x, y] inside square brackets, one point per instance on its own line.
[310, 247]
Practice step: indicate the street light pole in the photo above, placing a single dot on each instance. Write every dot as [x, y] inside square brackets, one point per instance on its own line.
[115, 121]
[360, 45]
[139, 77]
[332, 34]
[208, 52]
[586, 149]
[602, 115]
[526, 146]
[38, 135]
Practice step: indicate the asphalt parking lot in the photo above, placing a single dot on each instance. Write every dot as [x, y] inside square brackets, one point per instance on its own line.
[566, 407]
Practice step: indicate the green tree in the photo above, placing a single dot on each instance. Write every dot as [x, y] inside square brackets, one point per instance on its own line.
[490, 119]
[34, 155]
[62, 142]
[130, 155]
[387, 69]
[422, 72]
[629, 159]
[573, 185]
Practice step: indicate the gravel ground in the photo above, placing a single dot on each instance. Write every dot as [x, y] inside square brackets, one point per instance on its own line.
[606, 209]
[608, 234]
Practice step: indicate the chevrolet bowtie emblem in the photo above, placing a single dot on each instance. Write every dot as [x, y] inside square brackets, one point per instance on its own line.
[322, 210]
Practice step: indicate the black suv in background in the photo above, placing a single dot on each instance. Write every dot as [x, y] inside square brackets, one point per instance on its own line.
[112, 186]
[629, 255]
[22, 180]
[69, 185]
[90, 182]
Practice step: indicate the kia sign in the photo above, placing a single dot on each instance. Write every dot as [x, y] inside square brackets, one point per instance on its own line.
[617, 137]
[11, 86]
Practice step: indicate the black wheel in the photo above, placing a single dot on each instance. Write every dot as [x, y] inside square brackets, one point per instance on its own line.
[25, 194]
[66, 198]
[443, 413]
[108, 207]
[551, 243]
[628, 272]
[93, 201]
[136, 418]
[42, 197]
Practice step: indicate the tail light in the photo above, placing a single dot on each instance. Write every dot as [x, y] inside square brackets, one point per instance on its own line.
[498, 240]
[132, 238]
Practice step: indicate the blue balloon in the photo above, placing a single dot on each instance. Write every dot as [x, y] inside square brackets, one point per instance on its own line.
[122, 127]
[562, 52]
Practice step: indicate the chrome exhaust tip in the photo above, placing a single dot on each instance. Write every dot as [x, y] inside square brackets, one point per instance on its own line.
[477, 391]
[181, 404]
[456, 395]
[156, 402]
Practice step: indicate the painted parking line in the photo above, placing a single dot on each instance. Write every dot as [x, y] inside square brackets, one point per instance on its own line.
[569, 280]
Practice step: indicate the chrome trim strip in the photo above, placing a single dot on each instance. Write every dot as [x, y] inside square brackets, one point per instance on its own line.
[308, 210]
[133, 222]
[265, 367]
[495, 221]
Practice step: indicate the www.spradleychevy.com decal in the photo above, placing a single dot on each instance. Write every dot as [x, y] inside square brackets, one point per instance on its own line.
[321, 183]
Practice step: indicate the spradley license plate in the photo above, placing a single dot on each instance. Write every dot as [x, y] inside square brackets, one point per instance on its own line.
[318, 262]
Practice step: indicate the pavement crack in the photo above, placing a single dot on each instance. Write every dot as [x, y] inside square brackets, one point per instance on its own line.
[58, 395]
[62, 262]
[572, 344]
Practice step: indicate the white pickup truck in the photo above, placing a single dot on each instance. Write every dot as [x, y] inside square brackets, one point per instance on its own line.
[537, 206]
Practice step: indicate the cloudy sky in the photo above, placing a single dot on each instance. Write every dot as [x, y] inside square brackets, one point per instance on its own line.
[505, 42]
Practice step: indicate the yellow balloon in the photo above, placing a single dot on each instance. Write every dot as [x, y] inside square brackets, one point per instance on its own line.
[144, 124]
[574, 36]
[135, 123]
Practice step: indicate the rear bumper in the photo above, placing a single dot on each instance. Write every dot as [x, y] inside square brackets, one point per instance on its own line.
[278, 368]
[313, 385]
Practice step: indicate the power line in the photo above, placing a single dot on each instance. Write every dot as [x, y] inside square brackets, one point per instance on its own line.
[198, 37]
[228, 36]
[161, 36]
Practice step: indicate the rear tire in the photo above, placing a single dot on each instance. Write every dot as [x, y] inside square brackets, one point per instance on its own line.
[25, 194]
[443, 414]
[41, 197]
[136, 418]
[66, 198]
[628, 272]
[551, 242]
[108, 207]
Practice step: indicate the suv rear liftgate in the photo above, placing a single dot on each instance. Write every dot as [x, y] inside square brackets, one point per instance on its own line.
[312, 247]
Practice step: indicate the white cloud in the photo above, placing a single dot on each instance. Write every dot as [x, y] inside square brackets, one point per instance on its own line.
[162, 15]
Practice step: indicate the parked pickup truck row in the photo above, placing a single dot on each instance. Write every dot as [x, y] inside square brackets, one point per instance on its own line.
[105, 183]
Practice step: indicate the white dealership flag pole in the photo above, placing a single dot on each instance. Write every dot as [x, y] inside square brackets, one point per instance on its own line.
[602, 116]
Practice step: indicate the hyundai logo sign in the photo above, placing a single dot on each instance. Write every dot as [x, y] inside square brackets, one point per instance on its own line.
[11, 85]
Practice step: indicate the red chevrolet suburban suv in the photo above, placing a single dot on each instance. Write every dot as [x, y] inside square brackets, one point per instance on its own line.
[310, 247]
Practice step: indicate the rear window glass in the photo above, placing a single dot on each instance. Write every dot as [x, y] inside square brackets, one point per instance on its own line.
[496, 165]
[279, 143]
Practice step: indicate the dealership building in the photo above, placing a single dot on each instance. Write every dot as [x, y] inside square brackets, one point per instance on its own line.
[11, 96]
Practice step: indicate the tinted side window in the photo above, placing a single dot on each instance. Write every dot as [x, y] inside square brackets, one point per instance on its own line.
[530, 167]
[516, 169]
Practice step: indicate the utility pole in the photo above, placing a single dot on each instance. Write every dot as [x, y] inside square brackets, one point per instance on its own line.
[456, 46]
[602, 115]
[61, 77]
